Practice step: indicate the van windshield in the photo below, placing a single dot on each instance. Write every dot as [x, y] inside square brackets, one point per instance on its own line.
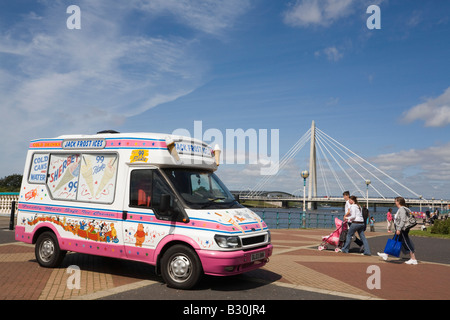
[201, 189]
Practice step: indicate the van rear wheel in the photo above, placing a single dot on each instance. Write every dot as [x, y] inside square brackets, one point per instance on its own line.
[47, 251]
[181, 267]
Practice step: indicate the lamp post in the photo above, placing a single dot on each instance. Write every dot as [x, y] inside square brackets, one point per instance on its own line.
[420, 201]
[305, 175]
[432, 204]
[367, 193]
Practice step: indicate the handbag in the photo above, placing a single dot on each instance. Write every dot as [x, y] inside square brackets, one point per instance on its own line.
[410, 221]
[393, 246]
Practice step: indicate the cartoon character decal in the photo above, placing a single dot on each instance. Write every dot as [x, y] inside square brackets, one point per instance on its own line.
[100, 231]
[240, 217]
[140, 235]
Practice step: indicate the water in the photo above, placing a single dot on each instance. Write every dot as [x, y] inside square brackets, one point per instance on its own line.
[280, 218]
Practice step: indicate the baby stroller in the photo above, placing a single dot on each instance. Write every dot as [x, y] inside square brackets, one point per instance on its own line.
[337, 237]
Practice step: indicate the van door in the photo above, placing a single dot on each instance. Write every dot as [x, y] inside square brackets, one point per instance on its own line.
[149, 210]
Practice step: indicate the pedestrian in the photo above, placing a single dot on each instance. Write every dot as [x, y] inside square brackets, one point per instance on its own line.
[400, 220]
[372, 224]
[357, 225]
[346, 196]
[390, 220]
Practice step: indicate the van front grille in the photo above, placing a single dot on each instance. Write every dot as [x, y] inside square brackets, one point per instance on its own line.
[253, 240]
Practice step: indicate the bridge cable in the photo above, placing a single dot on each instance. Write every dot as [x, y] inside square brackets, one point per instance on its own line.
[258, 189]
[349, 157]
[328, 162]
[324, 178]
[339, 164]
[368, 171]
[365, 161]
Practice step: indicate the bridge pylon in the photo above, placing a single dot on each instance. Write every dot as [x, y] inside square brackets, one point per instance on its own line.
[312, 186]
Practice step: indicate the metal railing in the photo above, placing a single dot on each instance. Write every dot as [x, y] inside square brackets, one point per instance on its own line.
[296, 219]
[273, 219]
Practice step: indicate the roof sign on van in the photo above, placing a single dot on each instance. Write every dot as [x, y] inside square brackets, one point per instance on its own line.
[91, 143]
[193, 149]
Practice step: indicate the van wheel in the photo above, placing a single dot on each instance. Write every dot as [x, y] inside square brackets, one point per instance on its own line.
[47, 251]
[181, 268]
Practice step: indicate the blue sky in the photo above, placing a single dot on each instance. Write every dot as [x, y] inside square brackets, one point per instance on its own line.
[160, 65]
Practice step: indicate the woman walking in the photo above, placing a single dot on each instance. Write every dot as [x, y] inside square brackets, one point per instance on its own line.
[400, 220]
[355, 216]
[390, 220]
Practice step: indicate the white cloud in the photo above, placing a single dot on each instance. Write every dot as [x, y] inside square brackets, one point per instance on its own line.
[421, 170]
[424, 171]
[435, 112]
[209, 16]
[332, 54]
[58, 81]
[324, 13]
[98, 66]
[305, 13]
[250, 177]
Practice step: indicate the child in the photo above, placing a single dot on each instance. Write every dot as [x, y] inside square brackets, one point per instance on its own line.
[372, 224]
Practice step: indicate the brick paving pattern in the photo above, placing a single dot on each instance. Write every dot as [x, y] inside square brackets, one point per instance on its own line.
[296, 263]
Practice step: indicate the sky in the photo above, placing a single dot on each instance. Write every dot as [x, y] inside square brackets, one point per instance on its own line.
[162, 65]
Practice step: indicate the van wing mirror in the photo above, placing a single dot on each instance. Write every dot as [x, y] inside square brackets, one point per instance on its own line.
[171, 212]
[164, 203]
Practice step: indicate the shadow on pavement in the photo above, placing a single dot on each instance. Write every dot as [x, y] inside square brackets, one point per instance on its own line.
[142, 271]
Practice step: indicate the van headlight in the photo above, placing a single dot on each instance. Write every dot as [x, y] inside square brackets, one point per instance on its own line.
[227, 241]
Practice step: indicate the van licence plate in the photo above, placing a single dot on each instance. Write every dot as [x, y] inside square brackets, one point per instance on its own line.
[258, 256]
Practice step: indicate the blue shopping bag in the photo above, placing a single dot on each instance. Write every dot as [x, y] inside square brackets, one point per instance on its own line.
[393, 247]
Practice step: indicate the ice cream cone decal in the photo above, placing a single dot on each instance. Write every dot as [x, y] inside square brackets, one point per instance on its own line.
[258, 219]
[217, 152]
[86, 172]
[110, 170]
[225, 217]
[172, 150]
[72, 171]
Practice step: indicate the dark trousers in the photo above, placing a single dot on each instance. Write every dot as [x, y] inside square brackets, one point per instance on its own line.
[357, 240]
[407, 245]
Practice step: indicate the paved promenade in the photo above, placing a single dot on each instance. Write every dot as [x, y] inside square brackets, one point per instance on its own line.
[297, 270]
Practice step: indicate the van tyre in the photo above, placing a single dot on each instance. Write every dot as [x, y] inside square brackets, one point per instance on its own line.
[47, 251]
[181, 267]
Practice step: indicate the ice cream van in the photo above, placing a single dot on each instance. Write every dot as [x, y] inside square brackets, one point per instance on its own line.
[141, 196]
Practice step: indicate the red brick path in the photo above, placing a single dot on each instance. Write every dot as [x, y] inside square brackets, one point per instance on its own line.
[296, 263]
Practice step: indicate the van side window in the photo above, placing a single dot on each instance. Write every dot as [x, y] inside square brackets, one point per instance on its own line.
[63, 172]
[39, 167]
[80, 177]
[141, 188]
[98, 177]
[161, 189]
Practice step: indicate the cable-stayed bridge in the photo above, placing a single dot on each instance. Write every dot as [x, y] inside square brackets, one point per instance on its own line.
[337, 169]
[282, 200]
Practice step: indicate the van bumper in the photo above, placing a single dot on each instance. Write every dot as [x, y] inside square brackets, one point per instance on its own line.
[227, 263]
[21, 235]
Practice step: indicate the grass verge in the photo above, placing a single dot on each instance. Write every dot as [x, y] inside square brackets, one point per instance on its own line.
[427, 233]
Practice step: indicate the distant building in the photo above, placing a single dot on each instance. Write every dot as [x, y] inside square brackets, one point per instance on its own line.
[268, 194]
